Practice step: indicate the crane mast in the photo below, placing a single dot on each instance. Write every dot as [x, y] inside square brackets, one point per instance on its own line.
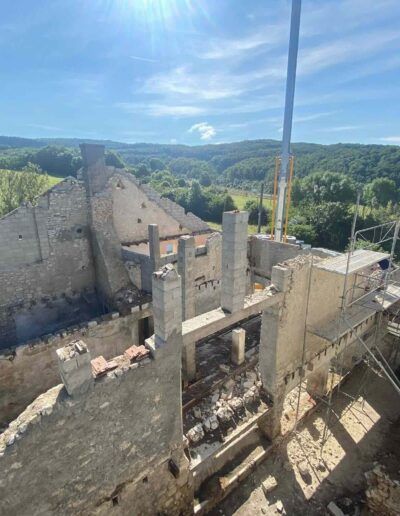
[284, 164]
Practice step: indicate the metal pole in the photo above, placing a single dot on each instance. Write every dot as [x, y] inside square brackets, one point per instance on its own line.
[260, 207]
[288, 116]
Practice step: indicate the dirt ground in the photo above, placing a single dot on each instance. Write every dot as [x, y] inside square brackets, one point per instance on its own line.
[309, 476]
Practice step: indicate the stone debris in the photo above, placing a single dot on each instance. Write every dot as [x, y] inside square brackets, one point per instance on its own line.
[279, 506]
[382, 493]
[224, 368]
[236, 403]
[269, 484]
[334, 510]
[99, 366]
[136, 353]
[197, 413]
[211, 423]
[224, 414]
[196, 433]
[232, 400]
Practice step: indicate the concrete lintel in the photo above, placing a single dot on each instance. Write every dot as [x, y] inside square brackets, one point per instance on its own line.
[216, 320]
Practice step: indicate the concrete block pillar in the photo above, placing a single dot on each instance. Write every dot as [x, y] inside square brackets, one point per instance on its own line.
[167, 305]
[271, 355]
[154, 246]
[317, 382]
[234, 260]
[186, 270]
[189, 362]
[280, 277]
[74, 362]
[238, 346]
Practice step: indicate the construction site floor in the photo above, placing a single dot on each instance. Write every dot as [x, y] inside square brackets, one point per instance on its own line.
[308, 477]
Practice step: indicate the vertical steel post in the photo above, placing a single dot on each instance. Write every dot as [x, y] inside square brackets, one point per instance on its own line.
[288, 117]
[260, 207]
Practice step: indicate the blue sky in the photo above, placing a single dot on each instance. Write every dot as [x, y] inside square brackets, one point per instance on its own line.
[195, 72]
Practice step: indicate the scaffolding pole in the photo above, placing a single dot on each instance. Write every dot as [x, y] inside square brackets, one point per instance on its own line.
[381, 234]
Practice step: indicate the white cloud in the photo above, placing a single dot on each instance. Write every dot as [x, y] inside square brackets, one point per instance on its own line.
[343, 50]
[145, 59]
[391, 139]
[206, 131]
[156, 109]
[340, 128]
[227, 48]
[201, 86]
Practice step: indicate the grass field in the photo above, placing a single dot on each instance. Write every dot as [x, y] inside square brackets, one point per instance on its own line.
[240, 197]
[53, 180]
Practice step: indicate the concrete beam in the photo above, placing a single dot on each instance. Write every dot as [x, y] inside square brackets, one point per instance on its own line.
[211, 322]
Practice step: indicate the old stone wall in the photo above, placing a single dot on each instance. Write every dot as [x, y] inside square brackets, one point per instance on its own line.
[45, 257]
[133, 211]
[28, 370]
[107, 449]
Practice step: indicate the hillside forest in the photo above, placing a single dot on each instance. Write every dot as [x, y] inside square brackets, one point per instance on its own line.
[210, 179]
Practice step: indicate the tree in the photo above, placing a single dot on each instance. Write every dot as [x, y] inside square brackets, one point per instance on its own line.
[331, 222]
[323, 187]
[380, 192]
[252, 207]
[304, 232]
[17, 187]
[205, 179]
[197, 201]
[113, 160]
[57, 161]
[156, 164]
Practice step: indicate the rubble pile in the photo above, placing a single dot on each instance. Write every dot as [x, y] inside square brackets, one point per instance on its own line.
[382, 493]
[222, 409]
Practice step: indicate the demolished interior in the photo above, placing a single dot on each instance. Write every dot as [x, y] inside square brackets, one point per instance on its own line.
[181, 351]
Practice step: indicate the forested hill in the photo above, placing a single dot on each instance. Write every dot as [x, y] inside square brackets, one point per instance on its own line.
[237, 164]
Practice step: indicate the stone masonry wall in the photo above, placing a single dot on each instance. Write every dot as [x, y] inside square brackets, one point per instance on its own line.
[107, 449]
[45, 255]
[133, 211]
[29, 370]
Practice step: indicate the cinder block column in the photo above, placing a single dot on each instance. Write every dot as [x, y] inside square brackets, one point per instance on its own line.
[74, 362]
[280, 277]
[234, 260]
[238, 346]
[317, 382]
[186, 269]
[189, 362]
[270, 358]
[154, 246]
[167, 305]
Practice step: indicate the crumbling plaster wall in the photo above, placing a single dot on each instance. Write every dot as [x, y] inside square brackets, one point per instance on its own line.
[75, 455]
[28, 370]
[54, 254]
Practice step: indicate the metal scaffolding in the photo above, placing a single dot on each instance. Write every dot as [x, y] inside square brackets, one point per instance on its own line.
[377, 290]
